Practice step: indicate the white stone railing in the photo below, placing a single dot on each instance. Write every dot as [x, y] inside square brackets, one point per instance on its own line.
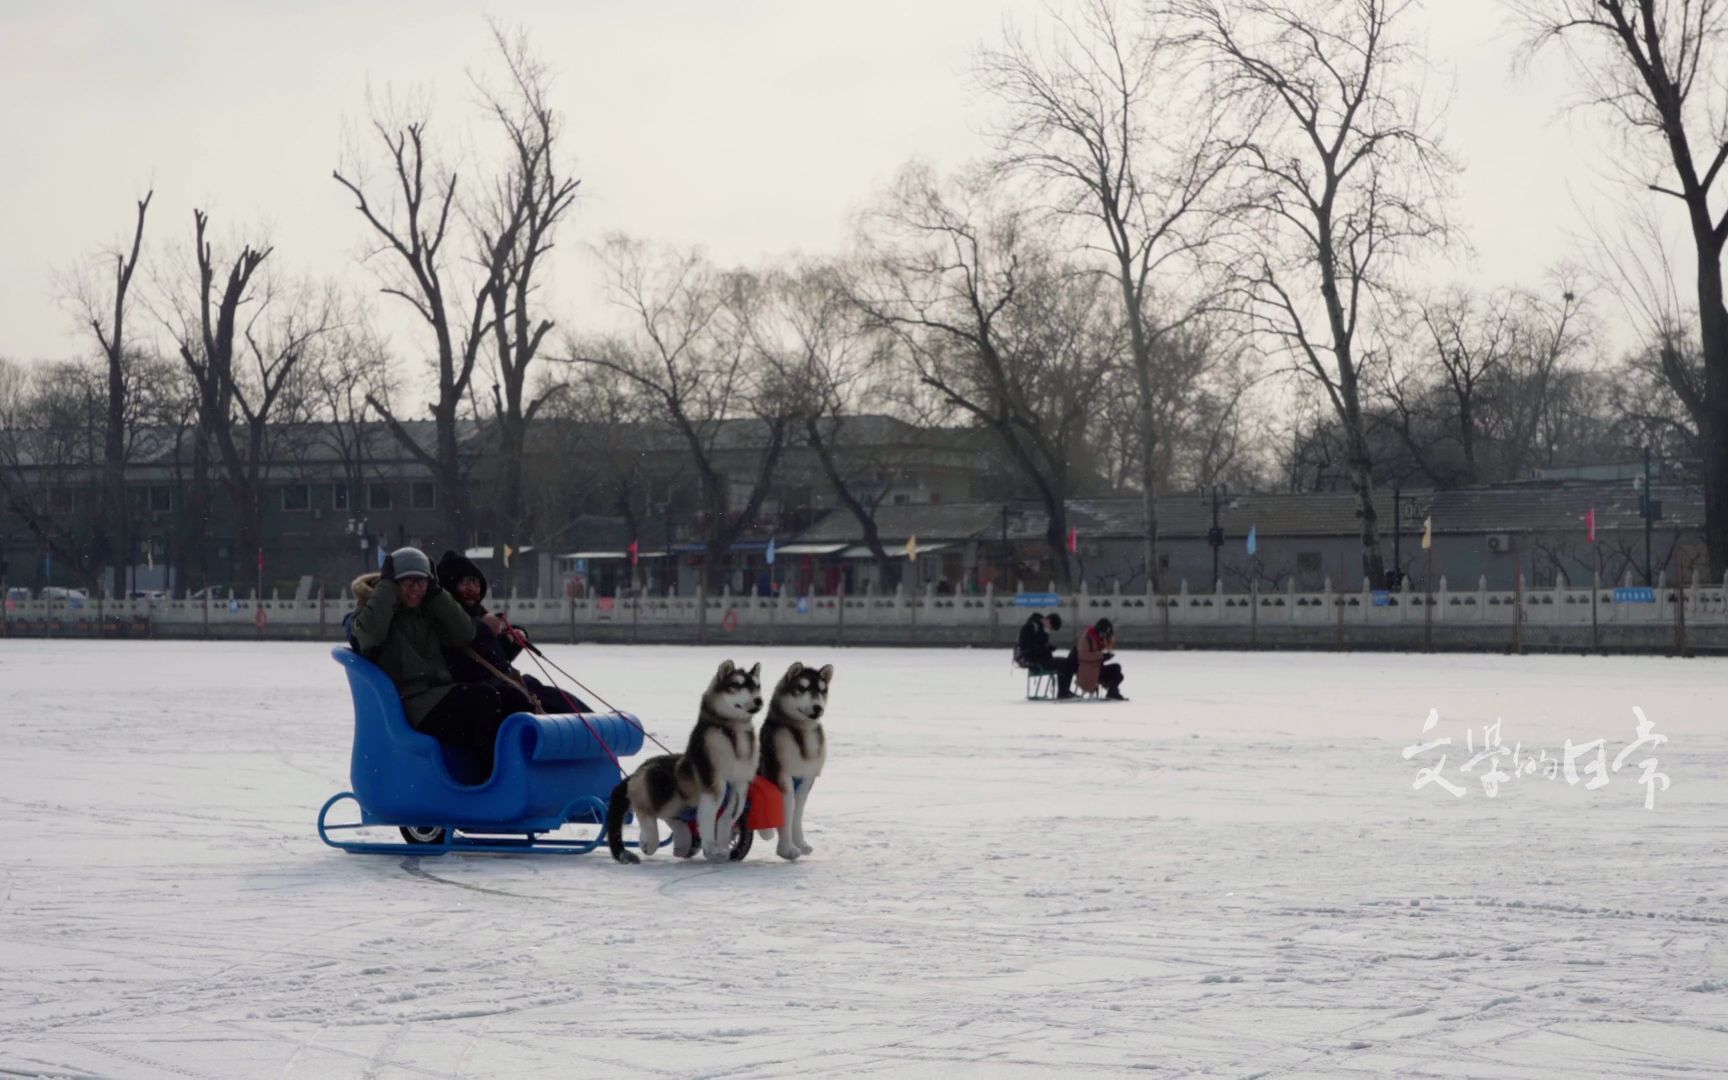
[1134, 612]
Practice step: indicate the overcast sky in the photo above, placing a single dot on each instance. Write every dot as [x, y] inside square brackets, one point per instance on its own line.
[751, 127]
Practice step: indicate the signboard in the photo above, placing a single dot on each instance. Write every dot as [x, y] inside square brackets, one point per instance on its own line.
[1037, 599]
[1382, 598]
[803, 605]
[233, 605]
[1635, 596]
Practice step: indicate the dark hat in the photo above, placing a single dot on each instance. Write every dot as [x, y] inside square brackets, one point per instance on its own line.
[453, 567]
[411, 562]
[1053, 621]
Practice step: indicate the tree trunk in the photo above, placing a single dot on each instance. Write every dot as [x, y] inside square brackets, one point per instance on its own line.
[887, 568]
[1713, 417]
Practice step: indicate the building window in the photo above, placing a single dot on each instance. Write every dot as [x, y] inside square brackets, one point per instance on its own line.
[338, 496]
[297, 497]
[377, 496]
[1308, 562]
[902, 500]
[161, 498]
[423, 495]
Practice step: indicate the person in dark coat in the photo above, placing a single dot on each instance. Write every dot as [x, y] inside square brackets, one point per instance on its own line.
[407, 625]
[1030, 632]
[495, 640]
[1035, 649]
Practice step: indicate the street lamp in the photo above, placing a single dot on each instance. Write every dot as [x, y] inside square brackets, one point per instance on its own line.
[1395, 576]
[1215, 536]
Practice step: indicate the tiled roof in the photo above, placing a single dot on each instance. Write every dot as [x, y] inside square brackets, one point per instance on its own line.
[1519, 508]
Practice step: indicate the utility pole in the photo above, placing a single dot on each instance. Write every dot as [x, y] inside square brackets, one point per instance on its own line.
[1648, 508]
[1216, 536]
[1396, 577]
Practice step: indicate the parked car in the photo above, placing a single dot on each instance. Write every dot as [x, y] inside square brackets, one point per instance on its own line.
[74, 598]
[151, 595]
[216, 593]
[17, 592]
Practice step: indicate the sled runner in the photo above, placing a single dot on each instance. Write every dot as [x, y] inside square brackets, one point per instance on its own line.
[549, 771]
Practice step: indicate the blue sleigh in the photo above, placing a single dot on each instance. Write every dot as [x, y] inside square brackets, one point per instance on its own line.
[549, 771]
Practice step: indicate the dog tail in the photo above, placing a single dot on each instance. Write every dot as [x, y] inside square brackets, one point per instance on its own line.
[617, 808]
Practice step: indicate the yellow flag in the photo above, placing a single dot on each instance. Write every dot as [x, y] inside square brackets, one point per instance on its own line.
[1427, 533]
[911, 548]
[509, 551]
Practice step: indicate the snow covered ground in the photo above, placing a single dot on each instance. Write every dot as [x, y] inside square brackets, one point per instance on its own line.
[1229, 876]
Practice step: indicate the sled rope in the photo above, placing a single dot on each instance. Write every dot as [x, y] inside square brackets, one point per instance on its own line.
[535, 652]
[510, 678]
[587, 723]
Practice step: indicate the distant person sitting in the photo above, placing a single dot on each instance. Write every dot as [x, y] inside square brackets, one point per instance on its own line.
[1088, 664]
[404, 624]
[1030, 632]
[496, 643]
[1041, 652]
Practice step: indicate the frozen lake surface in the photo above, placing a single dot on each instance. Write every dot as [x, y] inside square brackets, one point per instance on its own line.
[1230, 875]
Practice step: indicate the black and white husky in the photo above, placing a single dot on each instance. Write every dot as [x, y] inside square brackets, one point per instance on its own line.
[794, 748]
[711, 776]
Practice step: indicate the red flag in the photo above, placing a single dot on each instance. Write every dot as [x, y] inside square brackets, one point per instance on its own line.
[633, 553]
[1590, 523]
[260, 560]
[1073, 540]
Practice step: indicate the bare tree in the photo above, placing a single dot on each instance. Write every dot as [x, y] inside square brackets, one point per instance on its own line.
[103, 312]
[689, 350]
[339, 378]
[1658, 67]
[413, 226]
[508, 224]
[1345, 177]
[1487, 375]
[241, 344]
[526, 207]
[51, 437]
[1003, 333]
[598, 417]
[1090, 122]
[825, 359]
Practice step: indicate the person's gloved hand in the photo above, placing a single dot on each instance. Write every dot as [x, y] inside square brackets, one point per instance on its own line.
[432, 587]
[387, 572]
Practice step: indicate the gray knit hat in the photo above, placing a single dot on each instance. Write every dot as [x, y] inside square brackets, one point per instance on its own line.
[411, 562]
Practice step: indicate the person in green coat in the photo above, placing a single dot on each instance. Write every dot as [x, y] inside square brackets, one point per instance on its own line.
[403, 624]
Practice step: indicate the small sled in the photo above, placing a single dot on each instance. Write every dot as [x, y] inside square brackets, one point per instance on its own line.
[548, 772]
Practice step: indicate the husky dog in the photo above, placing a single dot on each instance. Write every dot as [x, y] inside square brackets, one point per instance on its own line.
[711, 776]
[794, 748]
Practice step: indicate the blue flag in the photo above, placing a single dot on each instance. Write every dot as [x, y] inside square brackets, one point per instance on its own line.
[1253, 540]
[770, 551]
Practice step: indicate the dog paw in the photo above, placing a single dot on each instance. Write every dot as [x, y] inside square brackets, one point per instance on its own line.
[787, 852]
[628, 858]
[805, 848]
